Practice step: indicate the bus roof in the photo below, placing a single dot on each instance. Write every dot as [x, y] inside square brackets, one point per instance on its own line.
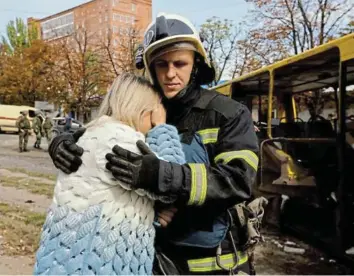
[313, 69]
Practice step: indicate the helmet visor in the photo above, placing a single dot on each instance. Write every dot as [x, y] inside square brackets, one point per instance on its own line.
[171, 48]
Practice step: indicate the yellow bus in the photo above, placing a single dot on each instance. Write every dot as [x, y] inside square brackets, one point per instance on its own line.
[309, 160]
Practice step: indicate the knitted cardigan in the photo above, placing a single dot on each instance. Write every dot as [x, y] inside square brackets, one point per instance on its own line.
[96, 225]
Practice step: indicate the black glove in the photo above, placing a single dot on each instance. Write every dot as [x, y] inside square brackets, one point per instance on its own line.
[137, 171]
[65, 153]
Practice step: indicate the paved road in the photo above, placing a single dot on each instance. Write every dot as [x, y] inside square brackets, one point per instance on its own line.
[35, 160]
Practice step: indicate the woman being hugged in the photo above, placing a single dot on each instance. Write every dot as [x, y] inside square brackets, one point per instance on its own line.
[96, 224]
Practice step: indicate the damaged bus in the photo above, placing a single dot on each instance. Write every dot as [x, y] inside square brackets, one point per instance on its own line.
[306, 158]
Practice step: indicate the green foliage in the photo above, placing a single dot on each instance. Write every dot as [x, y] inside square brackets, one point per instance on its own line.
[18, 36]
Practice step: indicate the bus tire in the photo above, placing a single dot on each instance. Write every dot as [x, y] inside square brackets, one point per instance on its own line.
[55, 133]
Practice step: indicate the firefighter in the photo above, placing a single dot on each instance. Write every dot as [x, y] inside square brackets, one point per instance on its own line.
[24, 126]
[37, 129]
[221, 149]
[48, 128]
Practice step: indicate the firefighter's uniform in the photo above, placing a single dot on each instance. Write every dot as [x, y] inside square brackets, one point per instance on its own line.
[221, 147]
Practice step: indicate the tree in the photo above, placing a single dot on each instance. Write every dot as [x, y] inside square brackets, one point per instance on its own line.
[18, 36]
[244, 58]
[294, 26]
[120, 53]
[24, 73]
[220, 40]
[83, 71]
[348, 29]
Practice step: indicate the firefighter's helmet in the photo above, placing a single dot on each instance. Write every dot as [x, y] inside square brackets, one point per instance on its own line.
[170, 30]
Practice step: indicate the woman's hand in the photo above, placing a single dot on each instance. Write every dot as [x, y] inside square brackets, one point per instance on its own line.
[158, 116]
[165, 216]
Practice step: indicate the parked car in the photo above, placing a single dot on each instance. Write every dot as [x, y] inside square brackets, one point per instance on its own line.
[59, 124]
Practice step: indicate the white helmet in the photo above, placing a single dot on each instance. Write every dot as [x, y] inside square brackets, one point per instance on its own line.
[173, 30]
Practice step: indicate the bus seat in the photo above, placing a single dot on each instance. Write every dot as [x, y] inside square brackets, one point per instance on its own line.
[321, 153]
[292, 129]
[319, 129]
[297, 150]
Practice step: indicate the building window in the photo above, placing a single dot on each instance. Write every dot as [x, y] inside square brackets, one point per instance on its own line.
[133, 20]
[123, 31]
[106, 18]
[115, 2]
[59, 26]
[116, 16]
[133, 8]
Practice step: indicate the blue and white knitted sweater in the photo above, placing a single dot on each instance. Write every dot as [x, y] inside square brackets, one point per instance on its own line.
[96, 225]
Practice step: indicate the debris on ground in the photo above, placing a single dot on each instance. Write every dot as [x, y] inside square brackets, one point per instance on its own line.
[294, 250]
[290, 243]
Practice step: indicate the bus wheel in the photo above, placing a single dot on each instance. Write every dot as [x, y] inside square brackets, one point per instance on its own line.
[55, 133]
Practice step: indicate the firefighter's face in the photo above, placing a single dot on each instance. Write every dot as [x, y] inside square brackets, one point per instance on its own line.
[173, 71]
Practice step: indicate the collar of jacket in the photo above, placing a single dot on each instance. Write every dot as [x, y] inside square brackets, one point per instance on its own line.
[180, 105]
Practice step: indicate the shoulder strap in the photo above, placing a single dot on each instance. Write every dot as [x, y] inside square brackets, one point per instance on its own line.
[205, 100]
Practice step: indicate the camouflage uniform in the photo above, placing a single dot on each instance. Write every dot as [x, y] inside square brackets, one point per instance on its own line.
[37, 128]
[47, 128]
[24, 127]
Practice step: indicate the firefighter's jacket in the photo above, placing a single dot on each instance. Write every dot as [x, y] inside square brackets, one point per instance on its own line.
[221, 149]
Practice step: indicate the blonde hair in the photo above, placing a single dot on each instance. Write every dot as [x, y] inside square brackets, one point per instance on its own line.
[129, 98]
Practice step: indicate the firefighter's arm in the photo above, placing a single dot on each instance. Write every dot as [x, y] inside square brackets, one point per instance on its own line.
[226, 181]
[231, 174]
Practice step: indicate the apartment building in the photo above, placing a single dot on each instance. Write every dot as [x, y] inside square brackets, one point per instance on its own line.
[98, 17]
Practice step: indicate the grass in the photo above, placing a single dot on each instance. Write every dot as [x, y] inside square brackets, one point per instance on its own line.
[34, 174]
[20, 230]
[32, 185]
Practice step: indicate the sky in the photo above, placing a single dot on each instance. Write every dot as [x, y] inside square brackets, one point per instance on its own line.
[195, 10]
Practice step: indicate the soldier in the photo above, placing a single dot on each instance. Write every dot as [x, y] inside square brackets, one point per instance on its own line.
[24, 127]
[47, 128]
[37, 128]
